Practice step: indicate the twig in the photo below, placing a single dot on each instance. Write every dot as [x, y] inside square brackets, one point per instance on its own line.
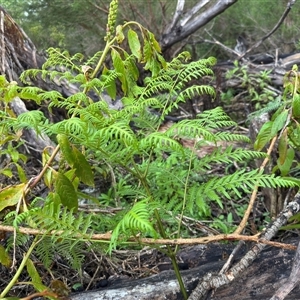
[149, 241]
[242, 225]
[284, 15]
[213, 282]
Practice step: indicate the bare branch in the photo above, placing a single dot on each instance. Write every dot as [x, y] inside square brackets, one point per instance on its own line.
[213, 282]
[177, 14]
[192, 12]
[284, 15]
[179, 32]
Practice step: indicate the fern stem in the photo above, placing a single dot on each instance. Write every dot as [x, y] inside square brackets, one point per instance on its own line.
[185, 194]
[161, 229]
[103, 56]
[172, 256]
[20, 269]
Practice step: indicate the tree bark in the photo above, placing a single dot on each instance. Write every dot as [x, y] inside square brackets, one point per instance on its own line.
[191, 21]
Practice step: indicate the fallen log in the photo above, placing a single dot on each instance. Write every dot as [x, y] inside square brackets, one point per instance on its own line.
[259, 281]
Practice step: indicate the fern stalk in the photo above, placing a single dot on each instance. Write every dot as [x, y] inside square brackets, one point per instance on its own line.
[20, 269]
[161, 229]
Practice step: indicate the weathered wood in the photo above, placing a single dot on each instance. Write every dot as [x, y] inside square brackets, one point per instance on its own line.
[259, 281]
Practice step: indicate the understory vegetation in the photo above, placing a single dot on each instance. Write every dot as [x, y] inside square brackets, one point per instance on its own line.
[155, 177]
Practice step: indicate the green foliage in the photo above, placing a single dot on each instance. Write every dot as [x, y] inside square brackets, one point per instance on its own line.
[284, 125]
[255, 89]
[154, 174]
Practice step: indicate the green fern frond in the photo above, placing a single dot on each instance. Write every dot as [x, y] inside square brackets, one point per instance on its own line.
[215, 118]
[45, 251]
[192, 129]
[92, 61]
[161, 141]
[74, 127]
[17, 240]
[119, 131]
[268, 108]
[71, 251]
[52, 96]
[62, 59]
[136, 220]
[195, 90]
[230, 137]
[31, 119]
[240, 181]
[227, 156]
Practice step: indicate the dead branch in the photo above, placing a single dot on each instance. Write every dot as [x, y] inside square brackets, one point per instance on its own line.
[210, 281]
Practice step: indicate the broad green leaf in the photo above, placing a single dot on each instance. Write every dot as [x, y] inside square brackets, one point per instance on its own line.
[11, 195]
[279, 122]
[83, 169]
[34, 275]
[120, 68]
[66, 191]
[66, 148]
[264, 136]
[285, 167]
[6, 172]
[5, 259]
[134, 44]
[296, 106]
[282, 147]
[21, 173]
[154, 42]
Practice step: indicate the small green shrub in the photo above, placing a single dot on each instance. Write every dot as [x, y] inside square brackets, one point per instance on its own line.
[155, 177]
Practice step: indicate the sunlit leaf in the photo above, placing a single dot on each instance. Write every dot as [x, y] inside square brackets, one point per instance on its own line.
[5, 259]
[134, 44]
[11, 195]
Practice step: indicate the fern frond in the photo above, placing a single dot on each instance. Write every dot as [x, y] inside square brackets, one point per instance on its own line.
[62, 59]
[31, 119]
[215, 118]
[73, 127]
[230, 137]
[92, 61]
[45, 251]
[268, 108]
[240, 181]
[195, 90]
[161, 141]
[227, 156]
[136, 220]
[192, 129]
